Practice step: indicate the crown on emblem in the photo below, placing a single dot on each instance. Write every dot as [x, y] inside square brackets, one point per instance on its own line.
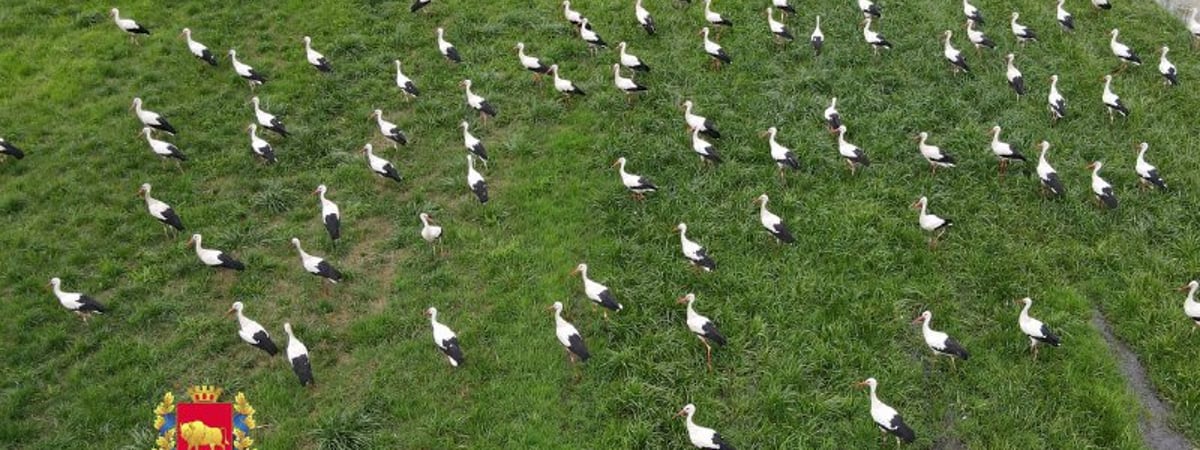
[204, 394]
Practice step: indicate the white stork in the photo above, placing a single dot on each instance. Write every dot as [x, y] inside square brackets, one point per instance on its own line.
[972, 13]
[593, 39]
[253, 77]
[198, 50]
[389, 130]
[952, 55]
[784, 7]
[933, 154]
[833, 119]
[817, 39]
[1035, 329]
[886, 418]
[405, 83]
[777, 28]
[331, 216]
[159, 210]
[418, 4]
[1102, 4]
[631, 61]
[297, 355]
[977, 38]
[445, 48]
[708, 153]
[637, 185]
[853, 155]
[163, 149]
[598, 293]
[876, 40]
[1166, 69]
[315, 58]
[473, 144]
[531, 63]
[128, 25]
[563, 85]
[782, 156]
[713, 17]
[694, 253]
[931, 223]
[478, 103]
[1016, 81]
[1191, 308]
[940, 342]
[698, 122]
[445, 339]
[701, 437]
[1064, 18]
[1113, 101]
[1058, 103]
[429, 232]
[715, 50]
[1122, 51]
[1046, 173]
[317, 265]
[268, 120]
[643, 17]
[252, 332]
[1147, 173]
[214, 258]
[702, 327]
[1003, 151]
[380, 166]
[150, 118]
[260, 146]
[1023, 33]
[626, 85]
[568, 336]
[475, 181]
[10, 150]
[869, 9]
[81, 304]
[572, 16]
[1102, 190]
[772, 222]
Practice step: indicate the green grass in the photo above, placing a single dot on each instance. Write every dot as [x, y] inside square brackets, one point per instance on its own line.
[804, 321]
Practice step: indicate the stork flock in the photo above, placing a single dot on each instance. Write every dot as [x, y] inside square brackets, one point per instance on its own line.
[703, 134]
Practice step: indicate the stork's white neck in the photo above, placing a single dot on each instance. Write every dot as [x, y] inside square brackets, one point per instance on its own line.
[424, 221]
[924, 206]
[1191, 297]
[1025, 311]
[996, 135]
[303, 254]
[925, 324]
[433, 318]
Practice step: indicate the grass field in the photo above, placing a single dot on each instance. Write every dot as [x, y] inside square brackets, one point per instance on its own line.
[804, 321]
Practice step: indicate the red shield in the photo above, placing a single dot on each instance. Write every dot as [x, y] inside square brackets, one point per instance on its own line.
[204, 426]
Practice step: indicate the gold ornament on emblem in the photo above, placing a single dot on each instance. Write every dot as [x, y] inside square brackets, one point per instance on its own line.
[204, 394]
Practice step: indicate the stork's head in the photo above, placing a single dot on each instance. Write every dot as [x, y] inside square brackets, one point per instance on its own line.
[923, 317]
[619, 162]
[1192, 285]
[920, 203]
[55, 282]
[144, 190]
[321, 189]
[581, 268]
[686, 299]
[687, 410]
[237, 306]
[871, 382]
[431, 311]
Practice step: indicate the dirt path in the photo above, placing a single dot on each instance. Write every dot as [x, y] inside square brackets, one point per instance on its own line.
[1156, 432]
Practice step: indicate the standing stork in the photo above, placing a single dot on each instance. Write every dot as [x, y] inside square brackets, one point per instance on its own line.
[214, 258]
[833, 119]
[405, 83]
[1047, 176]
[817, 39]
[563, 85]
[643, 17]
[331, 216]
[886, 418]
[853, 155]
[572, 16]
[1058, 103]
[695, 254]
[596, 292]
[473, 144]
[772, 222]
[971, 12]
[150, 118]
[1102, 4]
[445, 48]
[631, 61]
[1166, 69]
[714, 18]
[478, 103]
[933, 154]
[1102, 190]
[1113, 101]
[429, 232]
[701, 437]
[259, 146]
[1003, 151]
[1191, 308]
[1147, 173]
[637, 185]
[1023, 33]
[698, 122]
[128, 25]
[952, 55]
[530, 63]
[10, 150]
[163, 149]
[268, 120]
[940, 342]
[1016, 81]
[626, 85]
[197, 49]
[714, 50]
[876, 40]
[1123, 52]
[297, 355]
[977, 38]
[782, 156]
[315, 58]
[159, 210]
[81, 304]
[568, 336]
[870, 9]
[708, 153]
[1064, 18]
[317, 266]
[931, 223]
[1035, 329]
[389, 130]
[253, 77]
[475, 181]
[380, 166]
[593, 39]
[777, 28]
[445, 339]
[252, 332]
[702, 327]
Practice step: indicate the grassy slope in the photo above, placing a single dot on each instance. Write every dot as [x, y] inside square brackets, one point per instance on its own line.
[804, 321]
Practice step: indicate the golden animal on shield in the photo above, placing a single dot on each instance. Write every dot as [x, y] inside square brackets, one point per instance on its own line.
[197, 435]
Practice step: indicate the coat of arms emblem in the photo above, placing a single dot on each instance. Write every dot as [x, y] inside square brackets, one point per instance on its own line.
[205, 423]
